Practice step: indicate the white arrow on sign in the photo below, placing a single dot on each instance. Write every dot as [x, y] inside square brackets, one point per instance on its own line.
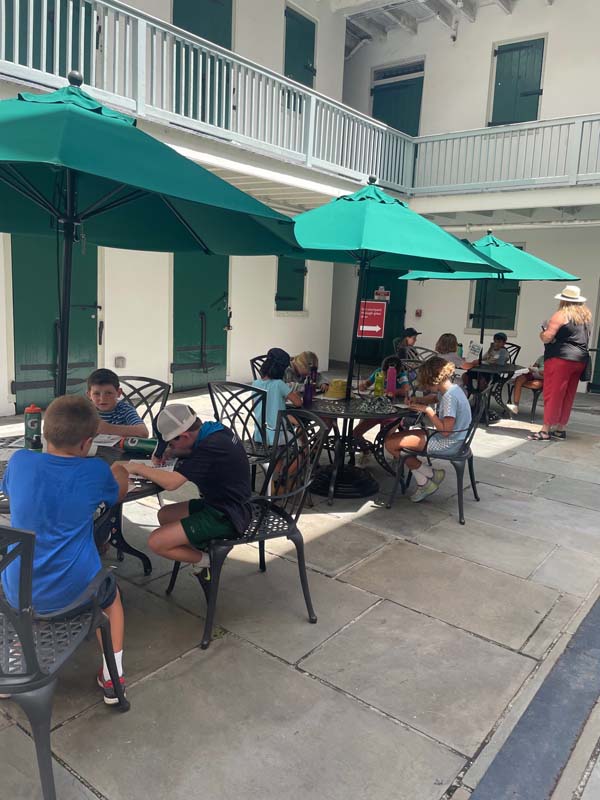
[375, 328]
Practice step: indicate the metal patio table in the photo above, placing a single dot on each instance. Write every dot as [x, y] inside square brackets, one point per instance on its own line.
[500, 375]
[139, 488]
[341, 479]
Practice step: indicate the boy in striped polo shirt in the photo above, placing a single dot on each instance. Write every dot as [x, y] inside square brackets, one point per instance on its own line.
[117, 417]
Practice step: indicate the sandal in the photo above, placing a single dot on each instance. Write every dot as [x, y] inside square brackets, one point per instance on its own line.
[539, 436]
[559, 435]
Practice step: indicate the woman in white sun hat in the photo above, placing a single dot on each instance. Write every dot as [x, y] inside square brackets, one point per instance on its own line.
[566, 357]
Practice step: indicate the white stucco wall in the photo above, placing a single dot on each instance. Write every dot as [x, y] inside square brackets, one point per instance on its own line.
[256, 324]
[345, 280]
[445, 304]
[457, 84]
[135, 292]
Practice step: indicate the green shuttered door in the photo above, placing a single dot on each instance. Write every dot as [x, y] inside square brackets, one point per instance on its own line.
[299, 48]
[399, 104]
[517, 87]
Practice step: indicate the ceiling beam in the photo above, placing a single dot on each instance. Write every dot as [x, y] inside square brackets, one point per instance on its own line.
[522, 212]
[483, 213]
[401, 19]
[368, 27]
[506, 5]
[441, 11]
[351, 7]
[466, 8]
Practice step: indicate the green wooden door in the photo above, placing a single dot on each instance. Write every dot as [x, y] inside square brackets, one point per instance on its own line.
[35, 313]
[398, 104]
[518, 81]
[200, 320]
[212, 20]
[299, 48]
[373, 351]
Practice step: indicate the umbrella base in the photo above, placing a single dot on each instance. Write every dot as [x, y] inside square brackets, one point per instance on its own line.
[351, 482]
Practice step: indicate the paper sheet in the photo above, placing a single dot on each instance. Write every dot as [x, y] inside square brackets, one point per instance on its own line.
[168, 466]
[473, 351]
[107, 439]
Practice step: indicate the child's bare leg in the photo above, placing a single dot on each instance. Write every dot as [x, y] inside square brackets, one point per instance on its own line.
[170, 541]
[116, 617]
[362, 427]
[173, 512]
[409, 440]
[519, 383]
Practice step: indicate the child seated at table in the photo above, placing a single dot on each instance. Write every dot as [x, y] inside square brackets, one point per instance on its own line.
[447, 347]
[213, 458]
[300, 367]
[55, 494]
[496, 355]
[402, 393]
[451, 423]
[532, 379]
[278, 392]
[117, 416]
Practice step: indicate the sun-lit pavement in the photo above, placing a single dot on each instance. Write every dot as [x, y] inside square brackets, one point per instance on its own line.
[432, 640]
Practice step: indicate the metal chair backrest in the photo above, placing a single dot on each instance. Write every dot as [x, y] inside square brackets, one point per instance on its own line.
[482, 401]
[147, 395]
[242, 408]
[18, 658]
[256, 365]
[299, 437]
[425, 353]
[513, 352]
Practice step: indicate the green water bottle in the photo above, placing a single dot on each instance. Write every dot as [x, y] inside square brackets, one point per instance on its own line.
[460, 350]
[33, 427]
[379, 385]
[132, 444]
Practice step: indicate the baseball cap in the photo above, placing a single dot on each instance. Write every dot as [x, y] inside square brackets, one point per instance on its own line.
[502, 336]
[410, 332]
[174, 420]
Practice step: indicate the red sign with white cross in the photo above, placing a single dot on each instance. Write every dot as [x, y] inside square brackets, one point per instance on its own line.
[371, 321]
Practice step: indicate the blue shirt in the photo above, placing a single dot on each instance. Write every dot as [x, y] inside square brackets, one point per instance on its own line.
[55, 497]
[277, 391]
[122, 414]
[454, 403]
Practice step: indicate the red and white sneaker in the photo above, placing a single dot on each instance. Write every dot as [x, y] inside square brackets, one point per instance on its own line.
[110, 696]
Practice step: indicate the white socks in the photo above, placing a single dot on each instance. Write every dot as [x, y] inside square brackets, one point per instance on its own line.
[119, 660]
[423, 474]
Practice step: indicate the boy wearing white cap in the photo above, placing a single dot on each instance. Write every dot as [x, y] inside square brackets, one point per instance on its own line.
[212, 457]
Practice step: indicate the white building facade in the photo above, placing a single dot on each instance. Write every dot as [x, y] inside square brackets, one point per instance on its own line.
[279, 99]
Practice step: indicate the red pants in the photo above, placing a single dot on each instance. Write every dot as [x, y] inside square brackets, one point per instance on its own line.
[560, 385]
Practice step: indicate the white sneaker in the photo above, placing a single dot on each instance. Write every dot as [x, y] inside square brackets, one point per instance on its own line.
[424, 491]
[201, 565]
[438, 476]
[513, 408]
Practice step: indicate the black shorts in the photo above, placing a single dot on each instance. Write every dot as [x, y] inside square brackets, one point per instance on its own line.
[107, 593]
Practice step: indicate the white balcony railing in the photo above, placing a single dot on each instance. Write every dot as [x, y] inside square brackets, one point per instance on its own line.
[157, 71]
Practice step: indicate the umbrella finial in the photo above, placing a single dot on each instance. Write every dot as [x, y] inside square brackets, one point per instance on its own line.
[372, 180]
[489, 231]
[75, 78]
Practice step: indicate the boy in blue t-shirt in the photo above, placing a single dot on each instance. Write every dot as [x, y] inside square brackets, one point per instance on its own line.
[54, 495]
[117, 417]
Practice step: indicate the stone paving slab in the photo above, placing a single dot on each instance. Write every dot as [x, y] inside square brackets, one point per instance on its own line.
[571, 491]
[331, 545]
[569, 571]
[155, 633]
[5, 721]
[548, 520]
[592, 787]
[405, 519]
[555, 466]
[131, 567]
[492, 604]
[509, 476]
[552, 626]
[232, 723]
[268, 608]
[429, 675]
[19, 776]
[488, 545]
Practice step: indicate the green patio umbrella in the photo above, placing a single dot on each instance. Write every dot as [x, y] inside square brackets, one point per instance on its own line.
[67, 163]
[371, 227]
[521, 266]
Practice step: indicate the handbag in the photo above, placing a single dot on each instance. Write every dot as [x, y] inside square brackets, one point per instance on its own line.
[586, 375]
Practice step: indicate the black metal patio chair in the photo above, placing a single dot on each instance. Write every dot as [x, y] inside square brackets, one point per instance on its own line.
[458, 460]
[276, 511]
[536, 393]
[256, 365]
[33, 647]
[147, 395]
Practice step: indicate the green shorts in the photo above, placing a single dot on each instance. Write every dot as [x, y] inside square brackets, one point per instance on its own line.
[205, 523]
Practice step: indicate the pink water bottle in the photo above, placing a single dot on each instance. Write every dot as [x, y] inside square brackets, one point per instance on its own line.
[390, 380]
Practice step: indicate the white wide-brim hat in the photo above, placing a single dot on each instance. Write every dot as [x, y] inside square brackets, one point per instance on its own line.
[571, 294]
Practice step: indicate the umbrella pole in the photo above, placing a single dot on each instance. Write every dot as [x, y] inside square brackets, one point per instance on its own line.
[483, 312]
[67, 269]
[361, 271]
